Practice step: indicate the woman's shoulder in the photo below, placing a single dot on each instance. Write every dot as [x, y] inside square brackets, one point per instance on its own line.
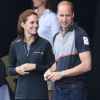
[43, 41]
[16, 41]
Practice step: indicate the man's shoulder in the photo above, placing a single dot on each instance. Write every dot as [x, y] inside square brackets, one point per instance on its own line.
[50, 13]
[80, 31]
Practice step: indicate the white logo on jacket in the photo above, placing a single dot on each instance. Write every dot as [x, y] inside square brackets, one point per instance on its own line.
[39, 53]
[86, 41]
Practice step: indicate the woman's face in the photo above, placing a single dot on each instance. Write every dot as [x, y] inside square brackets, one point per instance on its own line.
[31, 25]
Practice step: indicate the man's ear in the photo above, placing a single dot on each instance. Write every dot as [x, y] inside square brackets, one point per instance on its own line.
[73, 15]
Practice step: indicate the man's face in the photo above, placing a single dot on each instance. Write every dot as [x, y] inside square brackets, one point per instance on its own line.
[38, 3]
[65, 16]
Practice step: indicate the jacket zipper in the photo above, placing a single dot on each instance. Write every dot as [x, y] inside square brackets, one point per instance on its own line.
[26, 51]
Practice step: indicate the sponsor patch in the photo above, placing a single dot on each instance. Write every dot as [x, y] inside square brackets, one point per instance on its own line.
[86, 41]
[38, 53]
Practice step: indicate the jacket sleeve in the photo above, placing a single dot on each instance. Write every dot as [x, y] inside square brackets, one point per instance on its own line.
[48, 58]
[12, 61]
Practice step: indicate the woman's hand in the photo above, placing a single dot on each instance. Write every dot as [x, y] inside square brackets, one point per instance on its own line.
[25, 68]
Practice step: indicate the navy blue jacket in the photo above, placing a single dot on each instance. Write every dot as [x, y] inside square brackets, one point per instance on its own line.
[31, 86]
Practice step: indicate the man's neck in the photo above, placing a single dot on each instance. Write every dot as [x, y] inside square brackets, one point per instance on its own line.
[41, 11]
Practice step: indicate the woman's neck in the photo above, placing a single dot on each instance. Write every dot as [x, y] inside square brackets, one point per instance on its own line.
[29, 39]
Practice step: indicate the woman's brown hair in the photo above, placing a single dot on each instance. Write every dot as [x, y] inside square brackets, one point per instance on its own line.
[22, 19]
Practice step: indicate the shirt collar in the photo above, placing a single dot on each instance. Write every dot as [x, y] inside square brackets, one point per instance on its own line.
[73, 26]
[47, 11]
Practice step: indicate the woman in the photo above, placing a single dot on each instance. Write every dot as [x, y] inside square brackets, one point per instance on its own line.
[29, 57]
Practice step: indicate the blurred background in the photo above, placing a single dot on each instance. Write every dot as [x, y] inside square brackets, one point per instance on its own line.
[87, 15]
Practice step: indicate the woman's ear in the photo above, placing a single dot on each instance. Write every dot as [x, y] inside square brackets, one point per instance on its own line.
[22, 25]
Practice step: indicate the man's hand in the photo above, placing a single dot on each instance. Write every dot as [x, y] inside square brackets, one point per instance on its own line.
[46, 74]
[54, 76]
[49, 71]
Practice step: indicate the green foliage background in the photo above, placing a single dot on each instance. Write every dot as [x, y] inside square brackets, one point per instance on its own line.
[9, 78]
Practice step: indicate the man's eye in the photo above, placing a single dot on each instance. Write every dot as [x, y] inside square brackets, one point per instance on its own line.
[61, 15]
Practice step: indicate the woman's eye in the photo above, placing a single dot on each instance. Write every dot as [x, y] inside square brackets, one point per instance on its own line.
[32, 22]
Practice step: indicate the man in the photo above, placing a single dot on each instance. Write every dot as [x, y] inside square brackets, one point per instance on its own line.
[73, 57]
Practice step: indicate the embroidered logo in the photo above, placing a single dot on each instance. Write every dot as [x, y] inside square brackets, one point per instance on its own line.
[86, 41]
[38, 53]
